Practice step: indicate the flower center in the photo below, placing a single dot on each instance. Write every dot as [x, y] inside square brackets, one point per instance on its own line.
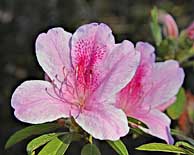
[69, 90]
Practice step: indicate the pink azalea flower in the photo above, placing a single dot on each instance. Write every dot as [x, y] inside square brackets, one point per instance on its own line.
[190, 31]
[151, 91]
[170, 27]
[85, 71]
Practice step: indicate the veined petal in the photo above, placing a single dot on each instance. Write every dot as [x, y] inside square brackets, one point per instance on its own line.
[90, 45]
[164, 106]
[91, 42]
[53, 52]
[104, 122]
[167, 79]
[35, 102]
[147, 52]
[132, 95]
[158, 124]
[119, 69]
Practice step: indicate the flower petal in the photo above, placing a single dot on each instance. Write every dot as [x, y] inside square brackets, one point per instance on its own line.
[104, 122]
[132, 95]
[119, 68]
[90, 45]
[34, 104]
[167, 79]
[164, 106]
[53, 52]
[158, 124]
[147, 52]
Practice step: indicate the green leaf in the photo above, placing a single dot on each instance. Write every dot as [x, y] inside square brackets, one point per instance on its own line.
[137, 131]
[155, 27]
[136, 121]
[161, 147]
[182, 136]
[167, 48]
[191, 112]
[62, 149]
[54, 147]
[175, 110]
[90, 149]
[31, 153]
[185, 145]
[39, 141]
[119, 147]
[29, 131]
[189, 149]
[69, 137]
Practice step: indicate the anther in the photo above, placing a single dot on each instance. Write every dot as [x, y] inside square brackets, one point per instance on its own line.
[64, 71]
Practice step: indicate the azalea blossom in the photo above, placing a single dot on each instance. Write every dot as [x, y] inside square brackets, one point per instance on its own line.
[85, 70]
[151, 91]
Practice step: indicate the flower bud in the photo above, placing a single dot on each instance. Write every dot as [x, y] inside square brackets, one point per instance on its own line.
[190, 31]
[170, 28]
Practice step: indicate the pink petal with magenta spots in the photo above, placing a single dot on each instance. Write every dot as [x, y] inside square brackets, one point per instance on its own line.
[119, 68]
[90, 45]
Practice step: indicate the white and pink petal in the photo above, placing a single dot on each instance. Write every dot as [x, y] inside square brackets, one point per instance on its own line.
[133, 94]
[104, 122]
[167, 79]
[53, 52]
[157, 122]
[35, 102]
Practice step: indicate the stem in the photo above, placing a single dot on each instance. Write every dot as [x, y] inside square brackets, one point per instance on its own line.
[90, 139]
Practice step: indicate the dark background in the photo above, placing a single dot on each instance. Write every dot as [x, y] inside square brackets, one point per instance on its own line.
[22, 20]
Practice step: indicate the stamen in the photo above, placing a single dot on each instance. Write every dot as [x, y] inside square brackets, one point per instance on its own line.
[76, 72]
[70, 89]
[46, 89]
[56, 91]
[62, 88]
[64, 71]
[59, 98]
[79, 112]
[70, 111]
[57, 78]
